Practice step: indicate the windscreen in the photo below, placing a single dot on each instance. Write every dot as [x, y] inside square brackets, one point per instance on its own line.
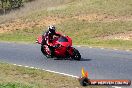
[63, 39]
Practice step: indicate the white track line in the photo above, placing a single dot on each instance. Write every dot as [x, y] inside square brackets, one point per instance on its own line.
[48, 71]
[115, 49]
[55, 72]
[116, 87]
[90, 47]
[127, 50]
[32, 67]
[78, 46]
[61, 73]
[14, 64]
[101, 48]
[20, 65]
[26, 66]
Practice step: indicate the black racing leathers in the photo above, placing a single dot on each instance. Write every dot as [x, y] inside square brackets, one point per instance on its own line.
[47, 40]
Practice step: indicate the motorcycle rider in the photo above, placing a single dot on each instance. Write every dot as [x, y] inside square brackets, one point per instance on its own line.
[47, 38]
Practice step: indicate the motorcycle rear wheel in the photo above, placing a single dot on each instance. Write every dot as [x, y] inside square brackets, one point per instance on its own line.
[76, 55]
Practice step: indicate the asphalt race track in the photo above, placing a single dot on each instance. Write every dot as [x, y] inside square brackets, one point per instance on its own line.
[100, 63]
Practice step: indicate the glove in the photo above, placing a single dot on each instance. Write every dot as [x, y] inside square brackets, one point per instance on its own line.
[56, 46]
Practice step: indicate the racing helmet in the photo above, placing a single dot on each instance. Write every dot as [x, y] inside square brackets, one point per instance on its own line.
[52, 29]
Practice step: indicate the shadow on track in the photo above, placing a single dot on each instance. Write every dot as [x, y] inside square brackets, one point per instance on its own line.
[82, 59]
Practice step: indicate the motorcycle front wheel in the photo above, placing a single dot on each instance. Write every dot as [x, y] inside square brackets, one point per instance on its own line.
[44, 52]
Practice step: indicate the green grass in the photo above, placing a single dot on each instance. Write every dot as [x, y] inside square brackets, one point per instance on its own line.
[19, 77]
[21, 35]
[78, 7]
[13, 85]
[84, 32]
[85, 29]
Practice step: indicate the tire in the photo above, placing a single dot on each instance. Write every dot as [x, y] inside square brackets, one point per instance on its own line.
[76, 55]
[84, 81]
[42, 50]
[44, 53]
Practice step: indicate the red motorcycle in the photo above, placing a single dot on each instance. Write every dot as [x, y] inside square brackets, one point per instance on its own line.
[63, 48]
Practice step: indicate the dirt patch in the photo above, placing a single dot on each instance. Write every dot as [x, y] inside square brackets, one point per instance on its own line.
[88, 17]
[20, 24]
[28, 24]
[102, 17]
[3, 31]
[121, 36]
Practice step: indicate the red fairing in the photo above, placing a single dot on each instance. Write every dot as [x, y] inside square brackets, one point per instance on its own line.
[65, 44]
[61, 51]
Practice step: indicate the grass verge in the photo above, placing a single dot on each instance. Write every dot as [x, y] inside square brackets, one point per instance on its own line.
[19, 77]
[82, 32]
[85, 21]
